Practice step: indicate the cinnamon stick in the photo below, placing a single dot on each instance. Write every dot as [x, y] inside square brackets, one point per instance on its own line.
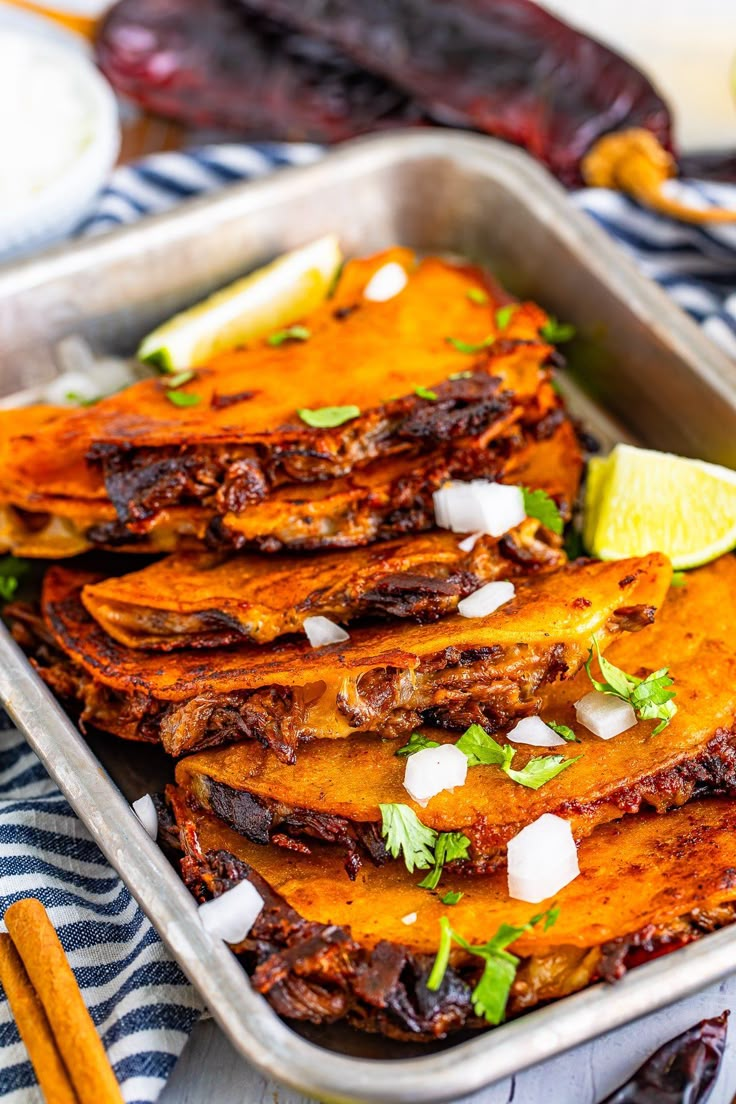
[51, 976]
[34, 1027]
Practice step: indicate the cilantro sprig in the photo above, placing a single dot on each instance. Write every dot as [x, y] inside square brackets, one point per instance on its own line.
[538, 504]
[650, 697]
[405, 835]
[421, 847]
[448, 847]
[491, 993]
[481, 749]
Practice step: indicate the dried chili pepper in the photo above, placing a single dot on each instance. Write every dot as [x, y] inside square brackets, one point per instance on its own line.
[344, 67]
[683, 1071]
[209, 64]
[511, 69]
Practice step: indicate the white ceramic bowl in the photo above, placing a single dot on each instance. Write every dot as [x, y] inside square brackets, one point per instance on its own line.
[46, 213]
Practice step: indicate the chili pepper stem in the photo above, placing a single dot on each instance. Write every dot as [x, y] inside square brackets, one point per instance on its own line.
[633, 161]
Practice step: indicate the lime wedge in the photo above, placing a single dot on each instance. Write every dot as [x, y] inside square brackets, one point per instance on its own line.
[265, 300]
[639, 501]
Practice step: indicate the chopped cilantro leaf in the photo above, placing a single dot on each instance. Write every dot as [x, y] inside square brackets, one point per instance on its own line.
[461, 375]
[557, 332]
[328, 417]
[481, 749]
[182, 398]
[564, 731]
[426, 393]
[449, 846]
[679, 578]
[405, 835]
[478, 296]
[468, 346]
[180, 378]
[491, 993]
[505, 314]
[538, 504]
[452, 897]
[540, 769]
[417, 742]
[650, 697]
[291, 333]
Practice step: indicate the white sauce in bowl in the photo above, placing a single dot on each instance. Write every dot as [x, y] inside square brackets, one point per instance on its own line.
[59, 137]
[46, 117]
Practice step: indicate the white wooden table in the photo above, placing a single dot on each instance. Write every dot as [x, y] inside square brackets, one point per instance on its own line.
[210, 1070]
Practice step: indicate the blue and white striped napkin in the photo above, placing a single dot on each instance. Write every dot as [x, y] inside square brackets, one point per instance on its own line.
[141, 1003]
[139, 1000]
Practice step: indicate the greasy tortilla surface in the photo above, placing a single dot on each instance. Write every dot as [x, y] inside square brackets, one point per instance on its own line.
[639, 871]
[205, 599]
[571, 607]
[692, 635]
[374, 354]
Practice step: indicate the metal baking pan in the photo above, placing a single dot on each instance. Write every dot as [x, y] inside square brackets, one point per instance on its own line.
[644, 361]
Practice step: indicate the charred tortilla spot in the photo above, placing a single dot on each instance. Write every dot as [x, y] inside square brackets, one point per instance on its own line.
[221, 402]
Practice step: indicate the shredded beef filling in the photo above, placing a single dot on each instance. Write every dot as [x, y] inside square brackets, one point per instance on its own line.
[141, 481]
[452, 689]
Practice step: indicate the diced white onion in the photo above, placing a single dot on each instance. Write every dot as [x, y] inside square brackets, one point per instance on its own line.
[231, 915]
[432, 770]
[145, 810]
[604, 715]
[410, 918]
[484, 601]
[479, 507]
[321, 631]
[85, 376]
[386, 283]
[533, 731]
[469, 543]
[542, 859]
[71, 387]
